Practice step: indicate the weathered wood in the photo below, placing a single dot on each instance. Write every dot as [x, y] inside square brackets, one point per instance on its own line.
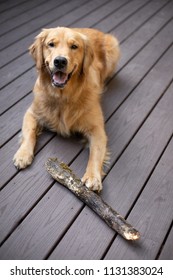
[64, 175]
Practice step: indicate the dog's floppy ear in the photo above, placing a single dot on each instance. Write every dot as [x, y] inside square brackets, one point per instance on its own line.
[36, 49]
[88, 55]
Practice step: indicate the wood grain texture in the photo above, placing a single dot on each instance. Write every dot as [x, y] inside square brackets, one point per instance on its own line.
[7, 168]
[13, 118]
[25, 29]
[13, 92]
[29, 185]
[100, 13]
[6, 6]
[33, 244]
[156, 199]
[138, 19]
[167, 249]
[36, 9]
[116, 18]
[46, 221]
[17, 11]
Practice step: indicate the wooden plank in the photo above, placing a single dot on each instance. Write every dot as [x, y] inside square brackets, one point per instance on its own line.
[115, 19]
[15, 69]
[84, 250]
[42, 21]
[138, 19]
[167, 250]
[29, 185]
[100, 13]
[7, 168]
[25, 249]
[125, 80]
[130, 173]
[6, 5]
[140, 38]
[16, 90]
[10, 14]
[11, 121]
[152, 213]
[39, 10]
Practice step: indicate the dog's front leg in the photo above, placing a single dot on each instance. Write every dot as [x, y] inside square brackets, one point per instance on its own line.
[25, 153]
[93, 174]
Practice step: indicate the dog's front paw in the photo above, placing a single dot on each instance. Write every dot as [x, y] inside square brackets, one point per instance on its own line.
[22, 158]
[92, 182]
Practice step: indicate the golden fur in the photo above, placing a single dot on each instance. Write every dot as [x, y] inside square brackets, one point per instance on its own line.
[72, 66]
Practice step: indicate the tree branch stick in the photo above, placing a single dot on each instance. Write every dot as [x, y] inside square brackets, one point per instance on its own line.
[64, 175]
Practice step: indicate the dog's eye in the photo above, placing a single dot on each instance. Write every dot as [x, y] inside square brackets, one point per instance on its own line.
[51, 44]
[74, 47]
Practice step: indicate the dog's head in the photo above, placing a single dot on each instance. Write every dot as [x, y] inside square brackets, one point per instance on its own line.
[63, 52]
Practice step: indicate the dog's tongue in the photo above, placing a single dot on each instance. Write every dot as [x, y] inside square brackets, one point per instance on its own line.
[60, 77]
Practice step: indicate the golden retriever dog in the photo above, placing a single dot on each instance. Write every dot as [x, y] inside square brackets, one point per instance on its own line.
[72, 66]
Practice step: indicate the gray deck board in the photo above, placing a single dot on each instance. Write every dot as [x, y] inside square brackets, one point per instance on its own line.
[37, 8]
[6, 17]
[155, 214]
[26, 29]
[167, 250]
[39, 218]
[10, 5]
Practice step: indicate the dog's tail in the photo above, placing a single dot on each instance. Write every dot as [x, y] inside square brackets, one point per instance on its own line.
[112, 48]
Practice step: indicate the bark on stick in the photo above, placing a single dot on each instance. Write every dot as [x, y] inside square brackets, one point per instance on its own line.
[64, 175]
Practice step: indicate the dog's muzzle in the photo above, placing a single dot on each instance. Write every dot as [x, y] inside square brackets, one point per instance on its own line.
[59, 74]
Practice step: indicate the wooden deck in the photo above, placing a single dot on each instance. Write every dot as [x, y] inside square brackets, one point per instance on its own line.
[39, 219]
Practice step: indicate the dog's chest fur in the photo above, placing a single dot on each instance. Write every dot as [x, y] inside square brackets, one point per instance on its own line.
[57, 115]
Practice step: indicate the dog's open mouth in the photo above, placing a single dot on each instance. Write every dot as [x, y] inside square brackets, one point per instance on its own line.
[60, 79]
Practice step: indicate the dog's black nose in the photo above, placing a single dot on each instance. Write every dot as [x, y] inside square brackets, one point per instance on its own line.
[60, 62]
